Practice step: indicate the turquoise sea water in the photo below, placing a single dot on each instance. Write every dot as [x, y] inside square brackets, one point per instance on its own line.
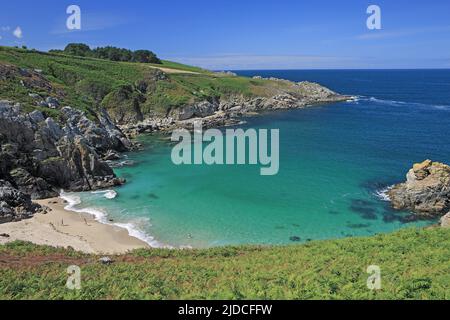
[334, 162]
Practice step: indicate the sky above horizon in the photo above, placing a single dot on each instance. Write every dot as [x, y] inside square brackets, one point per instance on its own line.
[232, 35]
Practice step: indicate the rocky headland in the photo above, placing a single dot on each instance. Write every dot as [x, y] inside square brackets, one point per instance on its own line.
[426, 191]
[230, 110]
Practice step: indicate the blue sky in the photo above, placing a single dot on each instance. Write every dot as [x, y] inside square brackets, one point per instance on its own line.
[219, 34]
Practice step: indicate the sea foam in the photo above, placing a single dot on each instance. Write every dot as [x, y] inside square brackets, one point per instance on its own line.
[108, 194]
[396, 103]
[383, 194]
[133, 227]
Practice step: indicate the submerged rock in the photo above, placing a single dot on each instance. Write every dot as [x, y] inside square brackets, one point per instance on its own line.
[426, 191]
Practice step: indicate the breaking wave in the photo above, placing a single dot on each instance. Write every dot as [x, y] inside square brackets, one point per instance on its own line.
[396, 103]
[134, 227]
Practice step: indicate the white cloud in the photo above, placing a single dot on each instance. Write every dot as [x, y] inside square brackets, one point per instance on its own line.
[18, 33]
[6, 28]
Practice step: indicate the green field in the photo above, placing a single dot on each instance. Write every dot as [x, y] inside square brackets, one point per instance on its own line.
[414, 264]
[90, 83]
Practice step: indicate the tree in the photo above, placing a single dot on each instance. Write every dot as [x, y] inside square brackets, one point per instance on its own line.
[145, 56]
[110, 53]
[78, 49]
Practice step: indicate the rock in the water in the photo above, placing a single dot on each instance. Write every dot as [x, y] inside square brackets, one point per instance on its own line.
[426, 191]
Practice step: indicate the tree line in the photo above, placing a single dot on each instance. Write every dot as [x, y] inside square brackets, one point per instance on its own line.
[109, 53]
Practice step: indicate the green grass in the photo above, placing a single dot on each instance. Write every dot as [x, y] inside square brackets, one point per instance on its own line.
[87, 83]
[414, 265]
[180, 66]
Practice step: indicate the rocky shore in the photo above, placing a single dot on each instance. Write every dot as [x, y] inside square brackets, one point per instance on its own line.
[230, 110]
[41, 155]
[426, 191]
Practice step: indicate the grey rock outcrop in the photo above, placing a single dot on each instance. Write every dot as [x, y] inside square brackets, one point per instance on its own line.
[102, 136]
[222, 110]
[39, 156]
[52, 102]
[200, 110]
[300, 95]
[14, 204]
[426, 191]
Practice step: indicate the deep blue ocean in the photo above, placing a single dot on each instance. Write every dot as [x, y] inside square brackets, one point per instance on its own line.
[335, 162]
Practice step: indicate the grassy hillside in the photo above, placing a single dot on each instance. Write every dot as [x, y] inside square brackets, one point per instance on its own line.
[121, 87]
[414, 265]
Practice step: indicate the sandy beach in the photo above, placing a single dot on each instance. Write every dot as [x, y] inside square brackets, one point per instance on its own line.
[62, 228]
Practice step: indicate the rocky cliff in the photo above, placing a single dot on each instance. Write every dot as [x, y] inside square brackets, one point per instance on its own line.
[230, 109]
[14, 204]
[426, 191]
[40, 156]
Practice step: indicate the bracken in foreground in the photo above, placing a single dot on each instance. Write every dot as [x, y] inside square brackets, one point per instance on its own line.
[414, 264]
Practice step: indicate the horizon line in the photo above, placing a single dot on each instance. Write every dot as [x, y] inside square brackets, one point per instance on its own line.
[334, 69]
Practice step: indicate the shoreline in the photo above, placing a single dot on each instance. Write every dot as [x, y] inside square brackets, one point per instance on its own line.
[72, 201]
[61, 227]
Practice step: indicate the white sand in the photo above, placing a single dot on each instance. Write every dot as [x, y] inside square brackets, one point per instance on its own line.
[62, 228]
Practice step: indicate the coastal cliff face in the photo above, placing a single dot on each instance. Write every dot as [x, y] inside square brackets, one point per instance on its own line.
[299, 95]
[15, 205]
[426, 191]
[40, 156]
[229, 110]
